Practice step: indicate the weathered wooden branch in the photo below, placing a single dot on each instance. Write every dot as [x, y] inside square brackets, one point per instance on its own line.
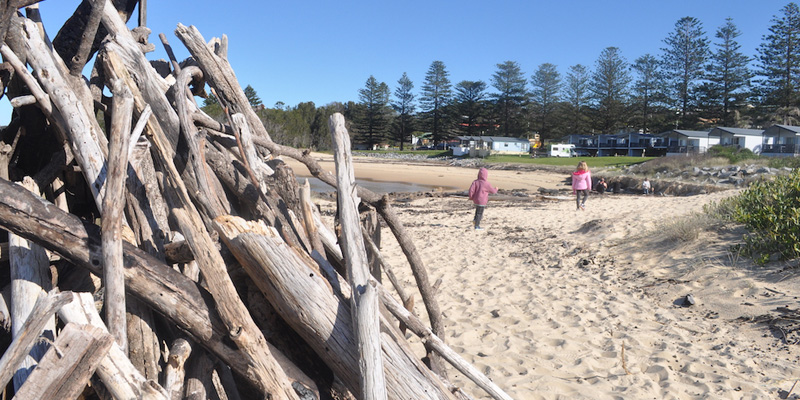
[30, 278]
[408, 300]
[241, 328]
[308, 210]
[176, 68]
[175, 373]
[79, 124]
[87, 38]
[221, 77]
[364, 303]
[190, 135]
[150, 87]
[292, 283]
[161, 287]
[113, 206]
[383, 206]
[67, 40]
[66, 368]
[194, 169]
[118, 374]
[36, 90]
[43, 310]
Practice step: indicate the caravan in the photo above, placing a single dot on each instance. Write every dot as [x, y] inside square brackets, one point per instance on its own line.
[562, 150]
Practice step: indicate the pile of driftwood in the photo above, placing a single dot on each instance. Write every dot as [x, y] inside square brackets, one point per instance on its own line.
[154, 252]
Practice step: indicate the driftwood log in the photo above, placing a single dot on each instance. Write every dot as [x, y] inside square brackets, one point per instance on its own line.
[165, 219]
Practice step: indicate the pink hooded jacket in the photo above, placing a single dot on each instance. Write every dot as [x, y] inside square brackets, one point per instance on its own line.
[581, 180]
[480, 188]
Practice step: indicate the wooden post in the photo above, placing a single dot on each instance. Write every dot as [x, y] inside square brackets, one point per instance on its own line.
[307, 207]
[142, 12]
[66, 368]
[175, 373]
[114, 204]
[364, 302]
[30, 278]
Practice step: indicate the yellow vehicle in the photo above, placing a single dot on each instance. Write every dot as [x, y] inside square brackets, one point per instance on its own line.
[536, 142]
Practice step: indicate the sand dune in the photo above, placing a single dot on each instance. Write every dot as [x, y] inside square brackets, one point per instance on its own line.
[554, 303]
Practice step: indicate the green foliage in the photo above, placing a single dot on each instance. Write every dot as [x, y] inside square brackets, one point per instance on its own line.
[252, 96]
[733, 154]
[684, 59]
[784, 162]
[470, 104]
[546, 84]
[609, 87]
[778, 60]
[373, 122]
[771, 211]
[404, 107]
[648, 96]
[510, 98]
[435, 99]
[303, 126]
[212, 107]
[728, 74]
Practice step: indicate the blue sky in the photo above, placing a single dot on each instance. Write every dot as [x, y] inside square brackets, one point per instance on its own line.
[324, 51]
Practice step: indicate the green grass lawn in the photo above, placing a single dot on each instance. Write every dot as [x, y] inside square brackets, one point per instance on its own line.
[565, 161]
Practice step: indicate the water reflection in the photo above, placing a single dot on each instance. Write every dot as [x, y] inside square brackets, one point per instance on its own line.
[374, 186]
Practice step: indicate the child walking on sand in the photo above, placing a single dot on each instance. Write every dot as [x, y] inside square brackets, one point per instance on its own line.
[581, 184]
[479, 194]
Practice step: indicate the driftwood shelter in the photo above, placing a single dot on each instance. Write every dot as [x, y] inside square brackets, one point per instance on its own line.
[162, 254]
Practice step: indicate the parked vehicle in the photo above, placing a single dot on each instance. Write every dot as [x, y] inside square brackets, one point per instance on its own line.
[562, 150]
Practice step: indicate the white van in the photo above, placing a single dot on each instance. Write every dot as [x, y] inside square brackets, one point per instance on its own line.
[562, 150]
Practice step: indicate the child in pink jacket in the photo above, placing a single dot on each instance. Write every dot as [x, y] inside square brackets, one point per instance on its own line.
[581, 184]
[479, 194]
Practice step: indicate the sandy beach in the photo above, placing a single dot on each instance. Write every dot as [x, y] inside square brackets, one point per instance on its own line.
[554, 303]
[434, 175]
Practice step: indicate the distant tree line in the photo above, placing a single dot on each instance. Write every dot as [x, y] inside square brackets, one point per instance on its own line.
[692, 83]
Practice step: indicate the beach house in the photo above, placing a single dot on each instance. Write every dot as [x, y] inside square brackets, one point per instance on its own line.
[683, 142]
[751, 139]
[781, 140]
[483, 146]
